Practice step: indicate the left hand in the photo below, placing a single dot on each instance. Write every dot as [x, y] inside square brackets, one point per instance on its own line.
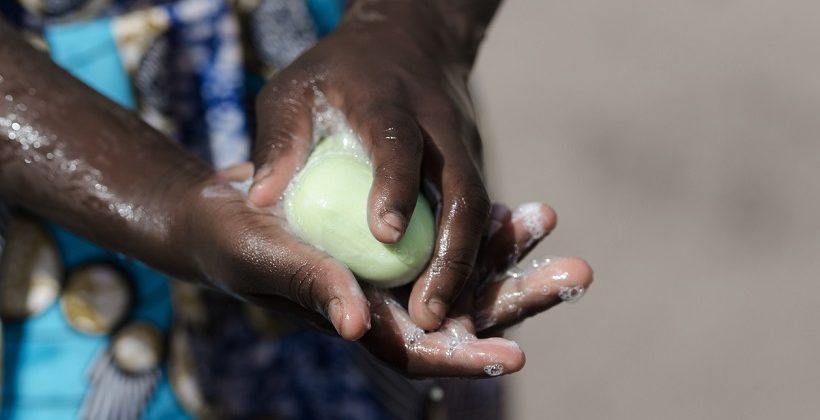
[403, 87]
[485, 308]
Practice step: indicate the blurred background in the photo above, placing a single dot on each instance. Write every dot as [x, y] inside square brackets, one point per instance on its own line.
[678, 141]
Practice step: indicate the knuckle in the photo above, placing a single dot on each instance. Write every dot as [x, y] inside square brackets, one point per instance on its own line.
[398, 167]
[393, 125]
[281, 136]
[438, 104]
[268, 95]
[414, 145]
[390, 171]
[393, 87]
[476, 201]
[474, 142]
[303, 281]
[448, 115]
[457, 263]
[279, 105]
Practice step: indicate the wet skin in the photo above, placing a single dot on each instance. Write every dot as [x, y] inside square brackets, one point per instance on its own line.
[490, 302]
[80, 160]
[398, 69]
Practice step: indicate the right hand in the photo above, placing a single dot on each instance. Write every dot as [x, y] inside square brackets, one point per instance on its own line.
[249, 252]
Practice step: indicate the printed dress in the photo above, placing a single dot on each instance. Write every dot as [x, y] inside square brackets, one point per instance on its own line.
[92, 334]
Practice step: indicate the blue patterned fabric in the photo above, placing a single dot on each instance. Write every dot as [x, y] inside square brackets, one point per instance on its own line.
[46, 361]
[298, 375]
[183, 67]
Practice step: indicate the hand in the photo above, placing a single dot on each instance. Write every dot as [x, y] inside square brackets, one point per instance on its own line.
[248, 252]
[403, 87]
[487, 306]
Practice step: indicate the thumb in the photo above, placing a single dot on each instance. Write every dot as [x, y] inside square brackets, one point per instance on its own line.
[283, 140]
[321, 283]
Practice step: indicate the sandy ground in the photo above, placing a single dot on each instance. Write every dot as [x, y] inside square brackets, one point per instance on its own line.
[678, 141]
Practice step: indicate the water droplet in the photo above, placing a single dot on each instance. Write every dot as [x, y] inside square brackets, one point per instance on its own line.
[571, 294]
[15, 126]
[494, 370]
[515, 273]
[561, 276]
[542, 262]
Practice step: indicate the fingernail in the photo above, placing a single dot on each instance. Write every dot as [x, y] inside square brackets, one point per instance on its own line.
[396, 221]
[260, 193]
[494, 227]
[335, 312]
[253, 191]
[497, 211]
[437, 308]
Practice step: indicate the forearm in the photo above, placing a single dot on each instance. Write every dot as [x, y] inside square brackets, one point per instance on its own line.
[458, 25]
[78, 159]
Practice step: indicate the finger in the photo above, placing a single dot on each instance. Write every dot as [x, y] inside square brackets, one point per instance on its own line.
[510, 237]
[238, 172]
[293, 312]
[454, 351]
[528, 292]
[315, 281]
[515, 235]
[500, 215]
[464, 215]
[531, 223]
[395, 143]
[283, 140]
[494, 253]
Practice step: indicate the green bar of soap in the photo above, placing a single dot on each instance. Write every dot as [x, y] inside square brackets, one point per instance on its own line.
[326, 205]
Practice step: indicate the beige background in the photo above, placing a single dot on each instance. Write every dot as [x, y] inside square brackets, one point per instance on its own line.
[678, 141]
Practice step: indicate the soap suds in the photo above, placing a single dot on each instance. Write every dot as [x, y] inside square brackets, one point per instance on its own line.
[494, 369]
[534, 221]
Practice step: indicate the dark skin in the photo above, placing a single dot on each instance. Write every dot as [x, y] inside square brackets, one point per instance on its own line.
[398, 70]
[489, 304]
[80, 160]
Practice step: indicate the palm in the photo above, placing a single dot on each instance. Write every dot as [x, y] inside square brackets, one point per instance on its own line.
[294, 276]
[485, 308]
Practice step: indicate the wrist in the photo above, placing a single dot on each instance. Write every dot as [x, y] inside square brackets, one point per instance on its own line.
[181, 200]
[455, 28]
[451, 30]
[463, 23]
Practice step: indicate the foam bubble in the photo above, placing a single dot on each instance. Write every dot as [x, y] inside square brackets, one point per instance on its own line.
[533, 219]
[494, 369]
[571, 294]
